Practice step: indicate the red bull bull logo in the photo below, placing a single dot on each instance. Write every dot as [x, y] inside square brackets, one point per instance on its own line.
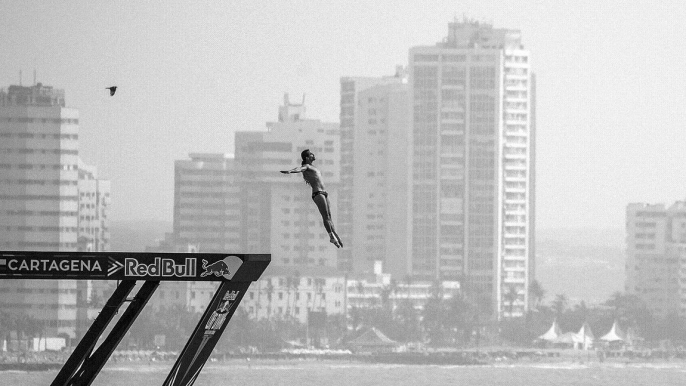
[225, 268]
[160, 267]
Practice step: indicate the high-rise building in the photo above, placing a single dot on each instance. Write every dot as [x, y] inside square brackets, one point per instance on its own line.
[471, 98]
[207, 212]
[656, 253]
[39, 185]
[94, 201]
[207, 218]
[381, 202]
[93, 235]
[279, 216]
[373, 201]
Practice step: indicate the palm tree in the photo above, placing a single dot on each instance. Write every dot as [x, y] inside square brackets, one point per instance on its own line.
[5, 324]
[394, 291]
[289, 284]
[259, 296]
[436, 289]
[510, 297]
[8, 323]
[295, 283]
[319, 284]
[537, 292]
[270, 292]
[385, 296]
[627, 309]
[360, 290]
[465, 287]
[560, 304]
[408, 282]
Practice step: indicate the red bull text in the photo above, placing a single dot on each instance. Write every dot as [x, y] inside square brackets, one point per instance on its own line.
[160, 267]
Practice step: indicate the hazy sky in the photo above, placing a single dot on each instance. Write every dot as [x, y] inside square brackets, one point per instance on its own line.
[611, 84]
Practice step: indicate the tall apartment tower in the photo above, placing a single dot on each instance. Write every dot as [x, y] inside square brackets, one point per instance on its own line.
[279, 216]
[471, 98]
[656, 253]
[94, 202]
[207, 212]
[207, 218]
[381, 202]
[39, 197]
[372, 123]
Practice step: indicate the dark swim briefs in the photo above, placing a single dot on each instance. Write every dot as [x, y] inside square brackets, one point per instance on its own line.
[323, 192]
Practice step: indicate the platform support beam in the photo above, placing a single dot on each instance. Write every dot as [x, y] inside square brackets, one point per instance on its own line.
[90, 338]
[84, 365]
[93, 364]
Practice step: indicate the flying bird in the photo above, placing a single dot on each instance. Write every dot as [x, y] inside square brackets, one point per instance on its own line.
[112, 89]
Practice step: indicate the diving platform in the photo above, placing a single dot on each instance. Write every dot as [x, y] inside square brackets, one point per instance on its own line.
[234, 272]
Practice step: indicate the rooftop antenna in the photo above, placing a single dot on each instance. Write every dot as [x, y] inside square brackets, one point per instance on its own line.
[20, 77]
[34, 76]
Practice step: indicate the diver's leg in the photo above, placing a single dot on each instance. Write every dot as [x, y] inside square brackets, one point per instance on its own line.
[333, 230]
[323, 207]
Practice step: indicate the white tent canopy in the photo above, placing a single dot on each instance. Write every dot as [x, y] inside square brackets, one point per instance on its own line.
[615, 334]
[553, 333]
[584, 338]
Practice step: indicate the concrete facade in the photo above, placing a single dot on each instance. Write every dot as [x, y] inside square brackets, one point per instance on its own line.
[656, 256]
[39, 200]
[472, 162]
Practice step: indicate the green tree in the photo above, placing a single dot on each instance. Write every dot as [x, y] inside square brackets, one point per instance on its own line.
[259, 299]
[385, 296]
[631, 311]
[510, 296]
[434, 320]
[319, 284]
[408, 285]
[289, 286]
[270, 293]
[360, 290]
[536, 293]
[295, 284]
[560, 304]
[408, 319]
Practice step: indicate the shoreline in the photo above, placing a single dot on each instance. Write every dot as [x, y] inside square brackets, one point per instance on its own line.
[482, 357]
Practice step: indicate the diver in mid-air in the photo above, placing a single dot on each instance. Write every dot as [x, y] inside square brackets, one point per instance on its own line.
[313, 177]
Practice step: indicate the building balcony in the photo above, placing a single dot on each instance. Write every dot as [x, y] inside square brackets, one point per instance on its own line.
[514, 269]
[515, 190]
[516, 88]
[515, 179]
[516, 110]
[510, 245]
[512, 144]
[515, 166]
[515, 156]
[510, 280]
[521, 212]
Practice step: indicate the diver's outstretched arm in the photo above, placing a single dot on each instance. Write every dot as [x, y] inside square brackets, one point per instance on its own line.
[297, 169]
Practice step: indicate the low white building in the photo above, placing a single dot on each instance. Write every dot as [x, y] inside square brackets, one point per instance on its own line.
[284, 292]
[370, 291]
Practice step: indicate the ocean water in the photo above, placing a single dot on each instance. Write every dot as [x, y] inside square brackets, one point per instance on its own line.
[358, 374]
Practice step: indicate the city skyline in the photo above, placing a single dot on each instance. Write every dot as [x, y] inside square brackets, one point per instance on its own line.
[609, 91]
